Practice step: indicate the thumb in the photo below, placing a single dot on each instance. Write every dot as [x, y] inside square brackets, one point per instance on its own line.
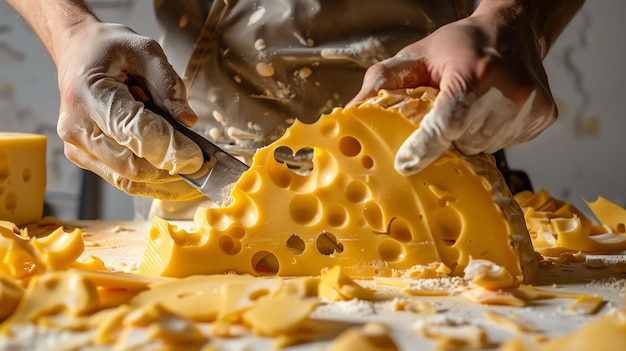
[441, 126]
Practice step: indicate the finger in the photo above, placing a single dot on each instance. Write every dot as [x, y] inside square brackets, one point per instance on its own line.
[89, 148]
[491, 123]
[538, 112]
[173, 190]
[443, 124]
[162, 83]
[145, 133]
[85, 136]
[401, 71]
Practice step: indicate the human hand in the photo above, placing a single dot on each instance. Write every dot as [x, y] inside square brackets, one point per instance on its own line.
[494, 92]
[106, 130]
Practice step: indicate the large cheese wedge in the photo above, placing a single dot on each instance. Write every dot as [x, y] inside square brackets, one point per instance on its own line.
[352, 208]
[22, 176]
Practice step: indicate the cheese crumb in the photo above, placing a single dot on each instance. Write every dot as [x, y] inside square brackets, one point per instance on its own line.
[264, 69]
[260, 44]
[304, 72]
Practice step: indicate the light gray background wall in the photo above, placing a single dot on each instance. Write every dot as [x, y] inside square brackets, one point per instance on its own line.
[582, 156]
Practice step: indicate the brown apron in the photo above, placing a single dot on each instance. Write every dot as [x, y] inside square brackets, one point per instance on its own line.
[253, 66]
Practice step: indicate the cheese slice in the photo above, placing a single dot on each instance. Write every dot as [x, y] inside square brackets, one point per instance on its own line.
[336, 286]
[23, 257]
[352, 208]
[606, 333]
[372, 336]
[22, 176]
[609, 214]
[553, 223]
[10, 295]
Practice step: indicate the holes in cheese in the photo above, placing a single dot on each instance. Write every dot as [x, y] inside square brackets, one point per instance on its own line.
[295, 245]
[299, 162]
[327, 244]
[327, 194]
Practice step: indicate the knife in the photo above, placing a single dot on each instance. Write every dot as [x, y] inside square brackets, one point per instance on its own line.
[220, 170]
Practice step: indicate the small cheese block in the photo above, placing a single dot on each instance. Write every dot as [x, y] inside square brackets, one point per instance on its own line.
[352, 209]
[22, 177]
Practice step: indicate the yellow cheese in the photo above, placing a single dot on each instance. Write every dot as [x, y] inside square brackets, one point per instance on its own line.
[488, 275]
[609, 214]
[421, 308]
[196, 297]
[553, 223]
[73, 294]
[352, 209]
[162, 324]
[432, 270]
[481, 295]
[372, 336]
[286, 340]
[59, 249]
[23, 257]
[459, 336]
[511, 321]
[238, 297]
[586, 304]
[607, 333]
[10, 295]
[90, 263]
[277, 315]
[51, 294]
[516, 344]
[336, 286]
[22, 176]
[106, 332]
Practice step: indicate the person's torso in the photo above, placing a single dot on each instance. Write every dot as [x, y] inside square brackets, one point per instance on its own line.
[253, 67]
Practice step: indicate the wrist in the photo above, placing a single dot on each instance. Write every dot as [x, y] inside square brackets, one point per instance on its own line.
[502, 18]
[544, 19]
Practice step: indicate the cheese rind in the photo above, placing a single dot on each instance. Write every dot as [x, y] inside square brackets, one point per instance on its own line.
[352, 209]
[22, 176]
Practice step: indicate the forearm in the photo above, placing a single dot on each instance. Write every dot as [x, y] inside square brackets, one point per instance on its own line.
[54, 21]
[551, 17]
[547, 18]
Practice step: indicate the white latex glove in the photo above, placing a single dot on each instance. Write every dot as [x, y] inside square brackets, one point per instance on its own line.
[107, 131]
[494, 92]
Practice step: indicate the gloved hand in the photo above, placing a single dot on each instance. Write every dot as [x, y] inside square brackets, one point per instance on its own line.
[493, 94]
[106, 130]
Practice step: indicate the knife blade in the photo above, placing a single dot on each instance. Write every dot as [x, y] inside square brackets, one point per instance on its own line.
[220, 170]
